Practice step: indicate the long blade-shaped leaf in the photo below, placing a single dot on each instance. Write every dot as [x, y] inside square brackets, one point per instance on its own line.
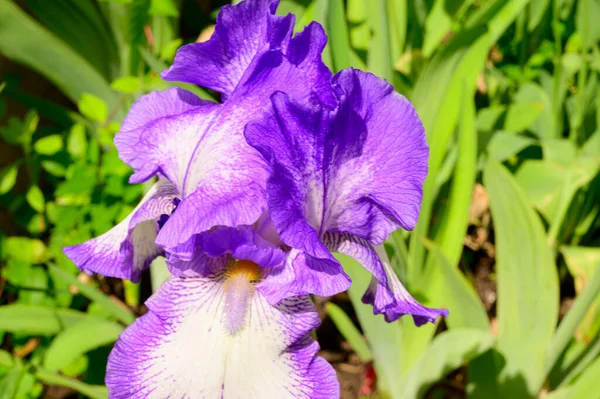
[338, 35]
[383, 338]
[448, 351]
[527, 282]
[25, 41]
[435, 97]
[93, 294]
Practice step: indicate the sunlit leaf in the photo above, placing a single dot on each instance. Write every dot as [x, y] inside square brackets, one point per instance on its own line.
[49, 145]
[35, 198]
[527, 283]
[93, 108]
[78, 339]
[8, 177]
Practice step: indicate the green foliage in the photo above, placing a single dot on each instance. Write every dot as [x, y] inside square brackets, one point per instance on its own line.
[508, 94]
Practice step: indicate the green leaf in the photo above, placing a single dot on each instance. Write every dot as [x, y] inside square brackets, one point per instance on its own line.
[77, 141]
[360, 33]
[454, 68]
[528, 293]
[542, 182]
[533, 96]
[574, 316]
[379, 60]
[587, 24]
[449, 288]
[37, 320]
[586, 386]
[504, 145]
[23, 40]
[455, 220]
[8, 177]
[437, 25]
[79, 339]
[338, 35]
[163, 8]
[35, 198]
[26, 250]
[448, 351]
[49, 145]
[54, 168]
[6, 359]
[521, 115]
[385, 339]
[52, 378]
[537, 9]
[81, 25]
[582, 263]
[349, 331]
[93, 108]
[95, 295]
[127, 84]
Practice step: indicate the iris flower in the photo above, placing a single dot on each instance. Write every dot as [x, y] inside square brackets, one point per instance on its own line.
[254, 195]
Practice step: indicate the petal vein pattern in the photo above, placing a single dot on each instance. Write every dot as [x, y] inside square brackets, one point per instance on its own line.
[128, 248]
[342, 180]
[242, 32]
[201, 148]
[165, 352]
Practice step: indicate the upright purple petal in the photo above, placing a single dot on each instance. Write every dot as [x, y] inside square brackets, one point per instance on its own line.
[224, 182]
[183, 347]
[242, 34]
[305, 51]
[128, 248]
[359, 169]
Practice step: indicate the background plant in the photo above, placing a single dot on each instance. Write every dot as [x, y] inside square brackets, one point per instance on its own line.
[507, 91]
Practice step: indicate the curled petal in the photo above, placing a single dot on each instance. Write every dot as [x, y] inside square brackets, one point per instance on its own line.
[165, 352]
[213, 250]
[242, 34]
[302, 274]
[386, 293]
[305, 51]
[128, 248]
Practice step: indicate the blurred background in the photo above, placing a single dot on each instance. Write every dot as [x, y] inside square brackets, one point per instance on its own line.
[508, 237]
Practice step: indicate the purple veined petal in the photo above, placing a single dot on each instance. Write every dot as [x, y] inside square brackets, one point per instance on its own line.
[305, 51]
[270, 353]
[128, 248]
[381, 174]
[385, 292]
[242, 34]
[302, 274]
[217, 248]
[160, 132]
[198, 264]
[358, 169]
[225, 178]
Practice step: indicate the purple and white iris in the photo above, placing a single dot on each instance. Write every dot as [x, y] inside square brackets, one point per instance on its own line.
[253, 196]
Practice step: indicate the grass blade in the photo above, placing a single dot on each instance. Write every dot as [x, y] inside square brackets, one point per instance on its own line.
[25, 41]
[95, 295]
[527, 283]
[349, 332]
[338, 35]
[380, 58]
[565, 330]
